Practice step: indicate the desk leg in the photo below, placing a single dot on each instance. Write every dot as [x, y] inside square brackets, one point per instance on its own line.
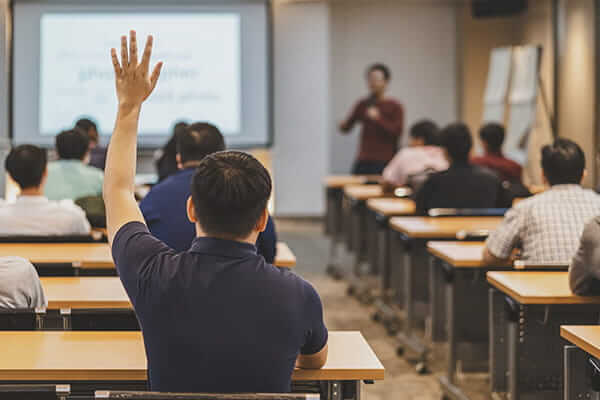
[497, 342]
[513, 359]
[437, 298]
[575, 375]
[344, 390]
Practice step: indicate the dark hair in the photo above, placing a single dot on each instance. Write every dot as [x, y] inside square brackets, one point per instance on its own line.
[456, 139]
[563, 162]
[387, 74]
[26, 165]
[426, 130]
[493, 135]
[72, 144]
[199, 140]
[230, 191]
[88, 126]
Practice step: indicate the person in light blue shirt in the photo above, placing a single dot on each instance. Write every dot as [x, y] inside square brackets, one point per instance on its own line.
[70, 177]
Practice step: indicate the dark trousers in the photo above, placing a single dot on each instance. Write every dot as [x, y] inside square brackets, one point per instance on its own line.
[368, 167]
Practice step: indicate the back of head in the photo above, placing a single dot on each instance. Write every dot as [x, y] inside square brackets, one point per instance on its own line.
[26, 165]
[73, 144]
[563, 162]
[230, 191]
[88, 126]
[456, 139]
[492, 135]
[199, 140]
[427, 131]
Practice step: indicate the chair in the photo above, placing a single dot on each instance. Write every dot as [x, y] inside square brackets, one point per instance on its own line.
[533, 266]
[115, 395]
[94, 237]
[21, 320]
[99, 320]
[467, 212]
[34, 392]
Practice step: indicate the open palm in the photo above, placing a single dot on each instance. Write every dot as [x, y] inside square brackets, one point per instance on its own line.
[133, 82]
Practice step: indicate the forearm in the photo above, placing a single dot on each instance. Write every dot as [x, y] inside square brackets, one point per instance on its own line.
[491, 259]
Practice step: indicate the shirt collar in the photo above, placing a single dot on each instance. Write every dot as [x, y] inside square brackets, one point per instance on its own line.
[32, 199]
[222, 247]
[566, 186]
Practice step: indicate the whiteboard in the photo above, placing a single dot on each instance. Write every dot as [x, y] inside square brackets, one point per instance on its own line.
[497, 85]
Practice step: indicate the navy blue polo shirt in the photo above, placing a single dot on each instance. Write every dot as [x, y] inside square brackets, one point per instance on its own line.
[164, 210]
[217, 318]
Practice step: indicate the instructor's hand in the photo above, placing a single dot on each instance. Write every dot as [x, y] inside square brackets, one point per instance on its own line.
[373, 113]
[133, 82]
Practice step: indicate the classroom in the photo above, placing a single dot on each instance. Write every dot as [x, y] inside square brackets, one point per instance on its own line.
[299, 199]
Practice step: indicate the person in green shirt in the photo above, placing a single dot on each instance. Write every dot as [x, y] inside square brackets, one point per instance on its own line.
[70, 177]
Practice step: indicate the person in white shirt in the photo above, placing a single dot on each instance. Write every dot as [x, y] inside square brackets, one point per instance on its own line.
[20, 286]
[33, 214]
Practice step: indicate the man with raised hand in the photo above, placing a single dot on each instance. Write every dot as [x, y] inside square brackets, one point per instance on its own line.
[216, 318]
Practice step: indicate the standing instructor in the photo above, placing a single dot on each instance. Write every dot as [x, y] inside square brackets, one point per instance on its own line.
[382, 120]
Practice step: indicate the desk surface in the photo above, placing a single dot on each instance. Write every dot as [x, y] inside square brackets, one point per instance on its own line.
[442, 227]
[85, 292]
[586, 337]
[74, 356]
[96, 255]
[537, 287]
[364, 192]
[339, 181]
[391, 206]
[459, 254]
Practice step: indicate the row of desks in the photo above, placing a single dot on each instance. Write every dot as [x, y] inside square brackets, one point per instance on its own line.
[96, 255]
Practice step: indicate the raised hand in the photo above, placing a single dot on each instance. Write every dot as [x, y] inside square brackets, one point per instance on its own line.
[133, 82]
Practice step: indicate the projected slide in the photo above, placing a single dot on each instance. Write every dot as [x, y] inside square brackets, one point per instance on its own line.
[201, 78]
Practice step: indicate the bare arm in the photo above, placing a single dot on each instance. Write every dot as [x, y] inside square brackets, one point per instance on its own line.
[134, 85]
[312, 361]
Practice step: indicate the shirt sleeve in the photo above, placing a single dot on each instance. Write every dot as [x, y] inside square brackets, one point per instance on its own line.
[508, 235]
[584, 271]
[353, 118]
[395, 172]
[316, 332]
[267, 242]
[37, 298]
[140, 259]
[392, 123]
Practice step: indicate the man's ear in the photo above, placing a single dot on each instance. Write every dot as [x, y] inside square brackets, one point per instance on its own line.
[191, 211]
[263, 220]
[544, 179]
[178, 159]
[583, 176]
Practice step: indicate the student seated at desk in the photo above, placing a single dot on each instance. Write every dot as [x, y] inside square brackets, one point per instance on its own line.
[166, 158]
[584, 271]
[422, 156]
[70, 177]
[20, 286]
[164, 206]
[492, 138]
[216, 318]
[97, 152]
[33, 214]
[463, 185]
[547, 227]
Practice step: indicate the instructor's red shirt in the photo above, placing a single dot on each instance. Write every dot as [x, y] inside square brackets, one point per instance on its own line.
[378, 138]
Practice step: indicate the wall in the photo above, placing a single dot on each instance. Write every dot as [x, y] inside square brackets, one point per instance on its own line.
[417, 39]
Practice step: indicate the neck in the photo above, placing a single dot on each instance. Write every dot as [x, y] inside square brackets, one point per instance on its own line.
[190, 164]
[251, 239]
[379, 95]
[37, 191]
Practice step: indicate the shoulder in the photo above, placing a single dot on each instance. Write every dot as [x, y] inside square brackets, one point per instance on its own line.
[394, 102]
[68, 207]
[17, 265]
[92, 171]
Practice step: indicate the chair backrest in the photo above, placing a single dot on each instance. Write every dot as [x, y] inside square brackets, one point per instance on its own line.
[93, 238]
[114, 395]
[100, 320]
[21, 320]
[467, 212]
[548, 266]
[34, 392]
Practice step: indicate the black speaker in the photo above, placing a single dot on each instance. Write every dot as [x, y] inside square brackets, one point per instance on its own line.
[497, 8]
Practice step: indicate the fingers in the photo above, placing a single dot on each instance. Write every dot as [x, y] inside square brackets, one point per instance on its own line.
[133, 49]
[155, 75]
[147, 54]
[124, 56]
[115, 61]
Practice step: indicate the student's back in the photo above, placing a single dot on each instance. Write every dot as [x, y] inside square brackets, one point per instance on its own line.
[20, 286]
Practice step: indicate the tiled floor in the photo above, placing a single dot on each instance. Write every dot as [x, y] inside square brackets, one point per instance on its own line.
[344, 313]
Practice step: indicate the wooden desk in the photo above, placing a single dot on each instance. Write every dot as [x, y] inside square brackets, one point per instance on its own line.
[120, 356]
[81, 255]
[442, 227]
[285, 258]
[585, 343]
[586, 337]
[364, 192]
[85, 292]
[339, 181]
[537, 287]
[392, 207]
[459, 254]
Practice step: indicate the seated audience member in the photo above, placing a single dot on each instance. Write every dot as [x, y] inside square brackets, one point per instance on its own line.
[422, 156]
[166, 162]
[33, 214]
[97, 153]
[548, 226]
[20, 287]
[584, 271]
[164, 206]
[70, 177]
[216, 318]
[462, 185]
[492, 138]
